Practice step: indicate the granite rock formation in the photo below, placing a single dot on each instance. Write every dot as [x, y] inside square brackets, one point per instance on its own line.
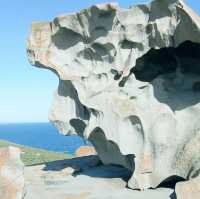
[11, 174]
[129, 81]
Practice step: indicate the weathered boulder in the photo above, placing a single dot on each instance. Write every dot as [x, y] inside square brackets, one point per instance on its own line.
[188, 189]
[129, 83]
[11, 174]
[85, 151]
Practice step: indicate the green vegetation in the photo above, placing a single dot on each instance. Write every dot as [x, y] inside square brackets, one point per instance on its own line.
[33, 156]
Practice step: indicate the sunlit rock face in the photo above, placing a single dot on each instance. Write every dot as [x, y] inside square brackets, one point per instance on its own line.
[12, 185]
[189, 189]
[129, 81]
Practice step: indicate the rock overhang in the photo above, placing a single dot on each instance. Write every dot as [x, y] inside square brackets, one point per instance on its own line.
[120, 73]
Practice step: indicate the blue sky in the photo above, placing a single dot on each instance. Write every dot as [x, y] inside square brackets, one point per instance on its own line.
[26, 92]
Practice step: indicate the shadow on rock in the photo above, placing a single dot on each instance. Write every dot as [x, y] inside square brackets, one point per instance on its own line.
[173, 196]
[89, 166]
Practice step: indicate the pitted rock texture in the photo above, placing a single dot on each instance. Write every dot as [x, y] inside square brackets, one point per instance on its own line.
[129, 81]
[11, 174]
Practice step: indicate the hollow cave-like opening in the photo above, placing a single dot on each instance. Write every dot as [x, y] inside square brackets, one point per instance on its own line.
[166, 60]
[174, 74]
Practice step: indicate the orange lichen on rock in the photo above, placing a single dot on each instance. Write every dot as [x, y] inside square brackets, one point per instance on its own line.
[85, 151]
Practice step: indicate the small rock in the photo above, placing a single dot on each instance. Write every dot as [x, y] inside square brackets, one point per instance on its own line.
[85, 151]
[128, 83]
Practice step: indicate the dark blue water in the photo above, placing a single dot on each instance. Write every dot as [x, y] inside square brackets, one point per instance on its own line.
[40, 135]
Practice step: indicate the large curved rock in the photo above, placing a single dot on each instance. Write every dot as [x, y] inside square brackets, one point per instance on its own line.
[129, 83]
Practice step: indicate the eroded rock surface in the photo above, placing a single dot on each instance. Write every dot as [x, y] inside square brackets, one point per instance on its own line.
[129, 81]
[11, 174]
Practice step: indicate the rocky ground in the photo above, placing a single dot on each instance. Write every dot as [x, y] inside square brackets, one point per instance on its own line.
[78, 178]
[83, 178]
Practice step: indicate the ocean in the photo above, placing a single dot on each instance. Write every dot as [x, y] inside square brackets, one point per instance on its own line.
[40, 135]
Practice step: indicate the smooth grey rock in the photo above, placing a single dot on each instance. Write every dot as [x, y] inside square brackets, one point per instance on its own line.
[129, 83]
